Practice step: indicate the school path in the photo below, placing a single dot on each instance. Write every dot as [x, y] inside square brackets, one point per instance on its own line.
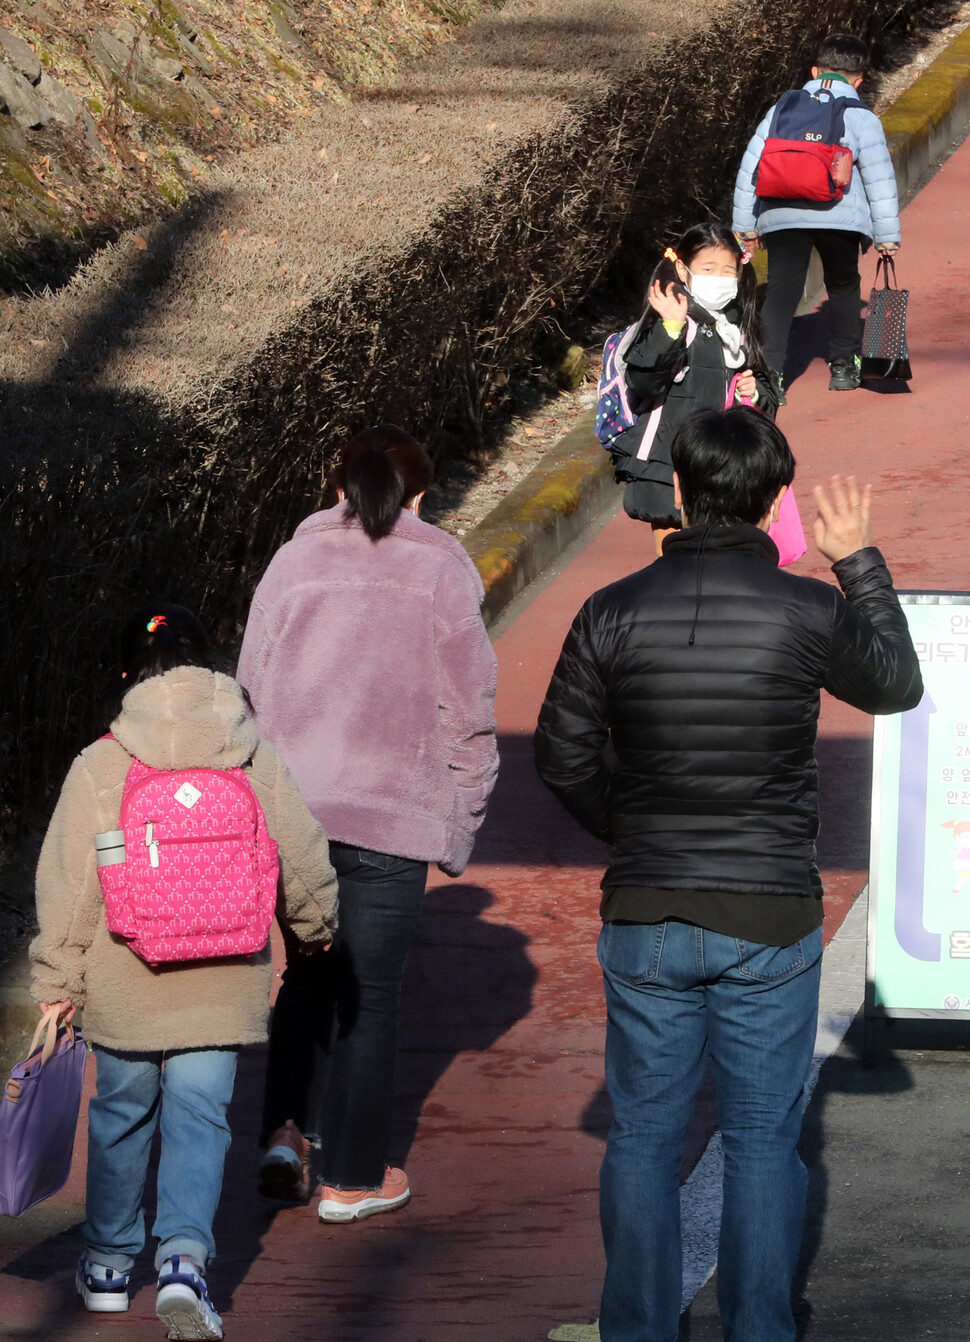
[501, 1064]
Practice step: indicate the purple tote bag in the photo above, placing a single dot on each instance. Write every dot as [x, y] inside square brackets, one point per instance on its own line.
[38, 1118]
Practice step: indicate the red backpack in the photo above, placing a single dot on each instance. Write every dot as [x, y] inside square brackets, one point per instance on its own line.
[802, 158]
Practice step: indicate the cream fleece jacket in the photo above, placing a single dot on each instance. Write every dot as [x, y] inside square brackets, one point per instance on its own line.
[188, 717]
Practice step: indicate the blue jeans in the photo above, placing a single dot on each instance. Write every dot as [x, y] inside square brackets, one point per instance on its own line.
[187, 1093]
[675, 995]
[334, 1035]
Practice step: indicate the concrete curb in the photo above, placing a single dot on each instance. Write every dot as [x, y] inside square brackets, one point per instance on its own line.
[574, 482]
[922, 123]
[539, 517]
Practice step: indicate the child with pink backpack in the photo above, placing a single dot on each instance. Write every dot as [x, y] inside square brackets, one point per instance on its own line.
[175, 839]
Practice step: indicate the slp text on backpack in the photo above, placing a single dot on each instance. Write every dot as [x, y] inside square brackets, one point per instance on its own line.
[802, 158]
[200, 871]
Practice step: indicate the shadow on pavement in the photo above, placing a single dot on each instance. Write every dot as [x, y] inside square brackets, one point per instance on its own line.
[467, 983]
[844, 1074]
[810, 341]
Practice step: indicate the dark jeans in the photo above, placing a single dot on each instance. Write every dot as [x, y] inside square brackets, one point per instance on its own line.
[789, 251]
[334, 1033]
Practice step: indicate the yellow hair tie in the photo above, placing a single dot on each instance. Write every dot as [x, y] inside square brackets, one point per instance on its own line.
[671, 255]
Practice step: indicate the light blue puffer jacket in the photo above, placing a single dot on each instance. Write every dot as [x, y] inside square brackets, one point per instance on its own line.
[870, 206]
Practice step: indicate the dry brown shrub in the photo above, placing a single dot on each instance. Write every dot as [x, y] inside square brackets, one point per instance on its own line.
[170, 416]
[165, 91]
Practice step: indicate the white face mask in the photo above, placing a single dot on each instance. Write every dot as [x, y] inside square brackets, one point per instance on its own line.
[713, 292]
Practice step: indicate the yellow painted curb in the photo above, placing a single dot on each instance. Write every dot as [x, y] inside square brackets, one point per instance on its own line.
[541, 514]
[934, 94]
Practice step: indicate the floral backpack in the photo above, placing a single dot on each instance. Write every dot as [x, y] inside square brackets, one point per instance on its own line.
[616, 410]
[199, 872]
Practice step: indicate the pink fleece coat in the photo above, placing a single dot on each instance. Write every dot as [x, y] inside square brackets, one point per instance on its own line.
[371, 672]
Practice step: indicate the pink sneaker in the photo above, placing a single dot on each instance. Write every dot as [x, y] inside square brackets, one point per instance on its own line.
[353, 1204]
[285, 1171]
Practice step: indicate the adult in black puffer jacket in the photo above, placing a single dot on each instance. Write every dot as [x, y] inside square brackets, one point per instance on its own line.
[703, 672]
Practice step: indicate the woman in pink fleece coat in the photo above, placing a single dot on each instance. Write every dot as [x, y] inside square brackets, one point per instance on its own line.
[371, 672]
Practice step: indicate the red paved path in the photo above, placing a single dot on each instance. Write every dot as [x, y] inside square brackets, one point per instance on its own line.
[503, 1019]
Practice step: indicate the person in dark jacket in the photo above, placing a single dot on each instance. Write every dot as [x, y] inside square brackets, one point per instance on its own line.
[702, 673]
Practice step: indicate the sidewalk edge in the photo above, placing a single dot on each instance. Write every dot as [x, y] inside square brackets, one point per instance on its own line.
[539, 517]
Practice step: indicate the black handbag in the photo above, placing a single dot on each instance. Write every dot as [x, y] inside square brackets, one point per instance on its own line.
[884, 349]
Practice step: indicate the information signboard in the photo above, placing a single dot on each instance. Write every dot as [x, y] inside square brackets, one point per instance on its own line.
[918, 962]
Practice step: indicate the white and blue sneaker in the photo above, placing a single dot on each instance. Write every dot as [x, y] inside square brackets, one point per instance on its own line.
[104, 1290]
[183, 1302]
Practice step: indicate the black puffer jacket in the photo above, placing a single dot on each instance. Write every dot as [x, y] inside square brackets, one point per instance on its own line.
[704, 671]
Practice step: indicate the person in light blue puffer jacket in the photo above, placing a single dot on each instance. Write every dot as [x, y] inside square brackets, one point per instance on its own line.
[868, 212]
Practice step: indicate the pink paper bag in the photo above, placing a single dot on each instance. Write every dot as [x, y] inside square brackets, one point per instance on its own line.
[788, 532]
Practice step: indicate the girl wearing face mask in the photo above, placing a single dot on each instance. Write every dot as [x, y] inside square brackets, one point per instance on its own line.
[699, 335]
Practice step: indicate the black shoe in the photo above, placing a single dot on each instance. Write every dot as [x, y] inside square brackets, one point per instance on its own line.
[779, 387]
[845, 375]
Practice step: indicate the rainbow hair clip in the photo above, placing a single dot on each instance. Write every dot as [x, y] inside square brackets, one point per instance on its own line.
[154, 622]
[745, 248]
[671, 255]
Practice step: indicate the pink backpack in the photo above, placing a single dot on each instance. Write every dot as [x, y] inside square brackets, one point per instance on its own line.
[200, 872]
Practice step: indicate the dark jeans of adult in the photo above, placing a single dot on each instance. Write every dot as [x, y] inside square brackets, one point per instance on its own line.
[677, 994]
[334, 1033]
[789, 251]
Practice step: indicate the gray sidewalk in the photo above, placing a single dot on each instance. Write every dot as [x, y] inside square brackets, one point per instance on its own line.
[885, 1250]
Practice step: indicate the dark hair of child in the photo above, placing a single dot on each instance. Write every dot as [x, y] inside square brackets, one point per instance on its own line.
[843, 54]
[155, 640]
[716, 235]
[380, 470]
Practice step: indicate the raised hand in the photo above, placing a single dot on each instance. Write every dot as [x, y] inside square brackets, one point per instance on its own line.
[672, 306]
[842, 525]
